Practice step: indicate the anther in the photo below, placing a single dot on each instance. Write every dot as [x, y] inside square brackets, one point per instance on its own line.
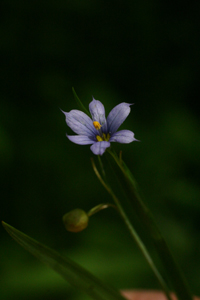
[97, 125]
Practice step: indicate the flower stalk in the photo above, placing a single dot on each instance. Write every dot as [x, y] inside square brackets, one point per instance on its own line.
[99, 131]
[100, 207]
[174, 275]
[133, 233]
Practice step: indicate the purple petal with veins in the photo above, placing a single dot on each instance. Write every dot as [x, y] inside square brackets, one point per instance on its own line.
[99, 147]
[97, 111]
[117, 116]
[81, 139]
[80, 123]
[123, 137]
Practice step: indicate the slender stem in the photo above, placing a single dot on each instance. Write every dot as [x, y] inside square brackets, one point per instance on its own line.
[99, 207]
[80, 104]
[174, 275]
[144, 251]
[101, 166]
[134, 233]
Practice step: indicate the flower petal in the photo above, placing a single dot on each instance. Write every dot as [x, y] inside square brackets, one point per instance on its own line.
[99, 148]
[123, 137]
[117, 116]
[81, 139]
[80, 123]
[97, 111]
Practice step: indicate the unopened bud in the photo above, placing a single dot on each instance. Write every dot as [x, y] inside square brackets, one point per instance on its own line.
[76, 220]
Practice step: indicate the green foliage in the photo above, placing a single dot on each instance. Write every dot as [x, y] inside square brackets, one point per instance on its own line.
[145, 52]
[80, 104]
[70, 271]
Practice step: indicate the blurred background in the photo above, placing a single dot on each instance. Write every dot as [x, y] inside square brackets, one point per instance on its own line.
[141, 52]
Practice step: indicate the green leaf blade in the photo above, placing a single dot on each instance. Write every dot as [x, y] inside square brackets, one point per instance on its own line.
[174, 274]
[80, 104]
[69, 270]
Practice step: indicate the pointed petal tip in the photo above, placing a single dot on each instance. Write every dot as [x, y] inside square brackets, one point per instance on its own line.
[62, 110]
[117, 116]
[123, 137]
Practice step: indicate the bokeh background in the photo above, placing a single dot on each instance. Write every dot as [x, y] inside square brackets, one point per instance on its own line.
[144, 52]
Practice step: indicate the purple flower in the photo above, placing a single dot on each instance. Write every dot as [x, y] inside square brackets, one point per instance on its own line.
[99, 131]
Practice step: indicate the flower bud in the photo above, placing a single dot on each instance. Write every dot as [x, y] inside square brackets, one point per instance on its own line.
[76, 220]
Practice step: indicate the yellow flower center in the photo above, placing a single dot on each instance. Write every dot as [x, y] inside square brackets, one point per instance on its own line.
[102, 136]
[105, 137]
[97, 125]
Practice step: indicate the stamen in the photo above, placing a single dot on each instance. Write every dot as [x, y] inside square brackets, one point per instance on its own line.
[106, 137]
[97, 125]
[99, 139]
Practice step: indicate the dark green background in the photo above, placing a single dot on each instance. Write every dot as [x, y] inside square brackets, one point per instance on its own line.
[142, 52]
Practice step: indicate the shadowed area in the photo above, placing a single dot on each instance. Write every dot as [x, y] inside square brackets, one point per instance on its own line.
[141, 52]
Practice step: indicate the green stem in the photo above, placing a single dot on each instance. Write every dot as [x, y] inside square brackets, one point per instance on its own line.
[174, 275]
[134, 233]
[99, 207]
[80, 104]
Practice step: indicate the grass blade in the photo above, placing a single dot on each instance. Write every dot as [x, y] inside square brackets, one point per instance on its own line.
[172, 270]
[80, 104]
[69, 270]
